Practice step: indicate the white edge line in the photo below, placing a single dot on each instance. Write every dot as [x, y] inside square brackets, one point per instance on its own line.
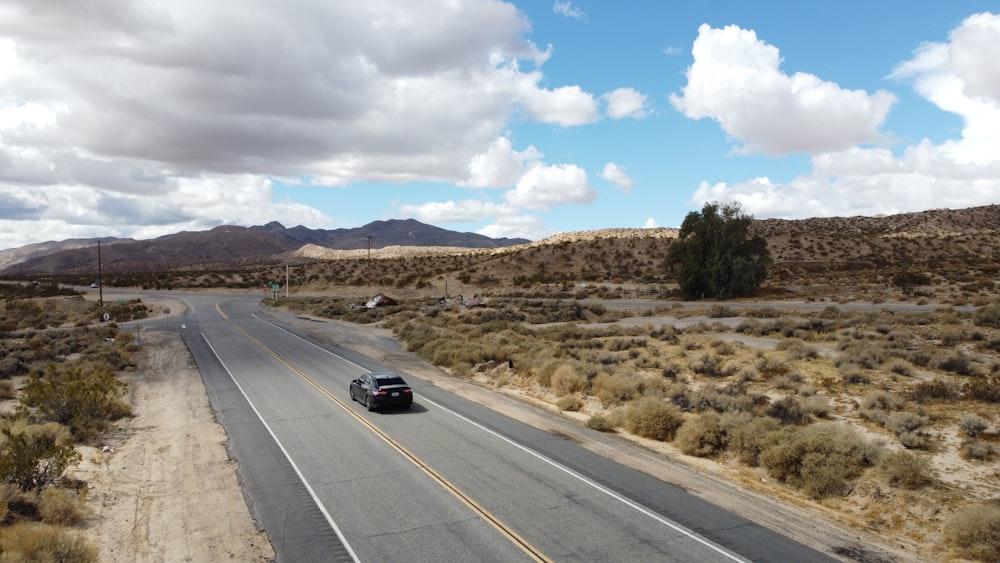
[312, 493]
[597, 486]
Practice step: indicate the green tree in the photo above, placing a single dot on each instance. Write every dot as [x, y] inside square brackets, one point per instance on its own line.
[714, 256]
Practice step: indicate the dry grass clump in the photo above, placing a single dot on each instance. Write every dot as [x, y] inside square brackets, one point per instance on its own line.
[653, 418]
[702, 436]
[33, 541]
[62, 507]
[906, 469]
[974, 532]
[821, 459]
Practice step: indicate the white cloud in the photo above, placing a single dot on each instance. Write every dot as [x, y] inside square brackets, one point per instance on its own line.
[566, 106]
[626, 102]
[541, 187]
[455, 212]
[957, 173]
[500, 165]
[569, 10]
[530, 227]
[135, 101]
[616, 175]
[651, 224]
[736, 80]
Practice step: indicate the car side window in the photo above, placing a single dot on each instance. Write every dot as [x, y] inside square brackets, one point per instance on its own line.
[366, 381]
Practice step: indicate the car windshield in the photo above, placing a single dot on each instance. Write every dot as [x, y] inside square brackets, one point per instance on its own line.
[390, 381]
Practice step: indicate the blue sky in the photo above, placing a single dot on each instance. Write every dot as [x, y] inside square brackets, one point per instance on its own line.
[511, 119]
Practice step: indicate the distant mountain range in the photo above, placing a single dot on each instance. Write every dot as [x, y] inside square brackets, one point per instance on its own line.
[227, 246]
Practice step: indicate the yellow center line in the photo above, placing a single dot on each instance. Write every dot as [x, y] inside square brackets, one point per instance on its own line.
[499, 525]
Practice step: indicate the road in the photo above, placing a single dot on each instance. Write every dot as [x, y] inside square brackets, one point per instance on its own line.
[448, 480]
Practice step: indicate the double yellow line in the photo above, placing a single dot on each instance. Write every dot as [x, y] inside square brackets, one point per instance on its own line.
[534, 553]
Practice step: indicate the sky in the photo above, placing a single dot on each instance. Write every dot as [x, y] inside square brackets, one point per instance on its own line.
[142, 118]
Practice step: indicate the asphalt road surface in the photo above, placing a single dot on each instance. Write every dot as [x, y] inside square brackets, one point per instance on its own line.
[447, 480]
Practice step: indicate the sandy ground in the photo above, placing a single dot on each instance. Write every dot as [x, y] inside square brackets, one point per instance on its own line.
[163, 488]
[169, 492]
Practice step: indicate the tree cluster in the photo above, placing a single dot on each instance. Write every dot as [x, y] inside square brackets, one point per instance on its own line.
[715, 256]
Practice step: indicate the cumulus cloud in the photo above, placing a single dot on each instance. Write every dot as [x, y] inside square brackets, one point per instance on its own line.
[858, 180]
[651, 224]
[617, 176]
[530, 227]
[456, 211]
[736, 79]
[541, 187]
[626, 102]
[500, 165]
[143, 99]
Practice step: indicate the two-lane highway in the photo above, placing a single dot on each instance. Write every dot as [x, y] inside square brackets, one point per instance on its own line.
[448, 480]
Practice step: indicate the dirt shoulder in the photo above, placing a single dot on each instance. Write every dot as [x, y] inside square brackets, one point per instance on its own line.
[163, 487]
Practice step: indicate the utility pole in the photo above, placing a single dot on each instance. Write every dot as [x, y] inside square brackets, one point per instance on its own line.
[100, 278]
[369, 237]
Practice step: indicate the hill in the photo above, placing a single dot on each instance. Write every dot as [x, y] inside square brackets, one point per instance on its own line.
[226, 247]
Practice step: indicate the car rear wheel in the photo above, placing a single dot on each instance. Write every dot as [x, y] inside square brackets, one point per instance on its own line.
[368, 403]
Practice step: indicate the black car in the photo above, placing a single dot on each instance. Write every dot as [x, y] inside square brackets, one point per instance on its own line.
[376, 390]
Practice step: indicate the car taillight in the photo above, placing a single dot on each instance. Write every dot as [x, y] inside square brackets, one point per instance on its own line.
[407, 390]
[381, 392]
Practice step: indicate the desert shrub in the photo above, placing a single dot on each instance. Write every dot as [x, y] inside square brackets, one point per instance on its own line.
[726, 398]
[570, 403]
[567, 379]
[882, 400]
[817, 406]
[45, 543]
[975, 532]
[81, 400]
[769, 367]
[957, 363]
[788, 410]
[977, 450]
[708, 365]
[723, 348]
[61, 507]
[748, 435]
[616, 388]
[933, 390]
[973, 425]
[899, 367]
[853, 375]
[985, 390]
[702, 436]
[797, 350]
[865, 355]
[987, 316]
[7, 390]
[788, 381]
[821, 460]
[600, 424]
[905, 469]
[653, 418]
[33, 456]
